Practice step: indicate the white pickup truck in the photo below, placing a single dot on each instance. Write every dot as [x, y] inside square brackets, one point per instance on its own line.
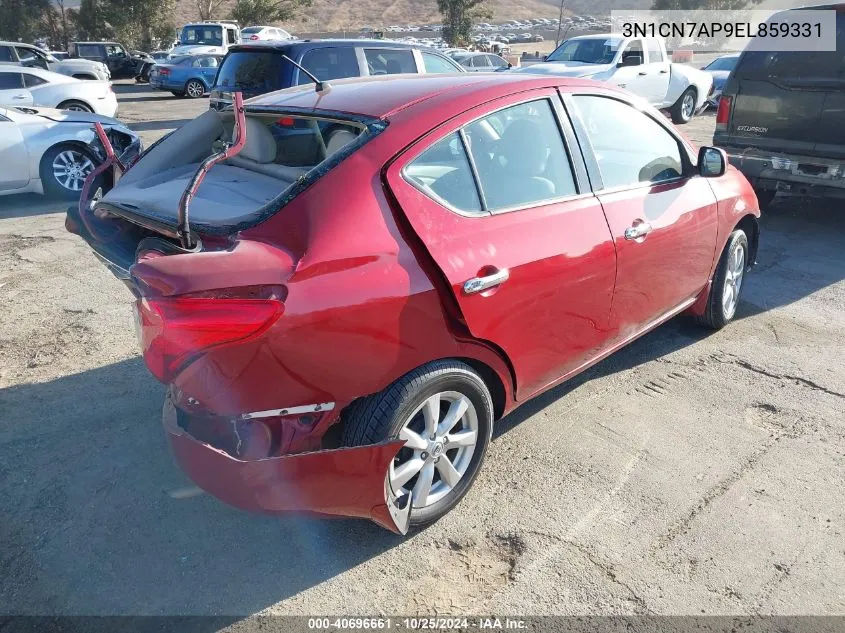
[638, 64]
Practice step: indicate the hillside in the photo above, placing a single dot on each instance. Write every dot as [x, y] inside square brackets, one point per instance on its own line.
[340, 15]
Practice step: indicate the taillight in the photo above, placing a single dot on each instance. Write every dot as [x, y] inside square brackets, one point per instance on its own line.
[164, 72]
[724, 112]
[254, 37]
[172, 331]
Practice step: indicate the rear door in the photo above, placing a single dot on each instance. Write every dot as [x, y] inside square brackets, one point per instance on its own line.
[792, 102]
[506, 214]
[662, 217]
[655, 80]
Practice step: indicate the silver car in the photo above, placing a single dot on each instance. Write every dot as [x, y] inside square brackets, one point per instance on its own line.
[52, 151]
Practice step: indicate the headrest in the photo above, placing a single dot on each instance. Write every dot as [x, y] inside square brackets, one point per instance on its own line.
[260, 144]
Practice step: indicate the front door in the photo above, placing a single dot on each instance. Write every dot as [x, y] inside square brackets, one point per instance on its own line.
[13, 155]
[12, 91]
[630, 77]
[507, 218]
[663, 219]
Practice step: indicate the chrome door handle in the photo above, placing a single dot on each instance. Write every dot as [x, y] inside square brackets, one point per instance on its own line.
[479, 284]
[19, 97]
[637, 231]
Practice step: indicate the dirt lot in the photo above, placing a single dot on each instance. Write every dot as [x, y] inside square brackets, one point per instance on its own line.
[692, 473]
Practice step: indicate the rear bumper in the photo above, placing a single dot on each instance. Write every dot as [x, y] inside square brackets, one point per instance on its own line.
[806, 175]
[345, 482]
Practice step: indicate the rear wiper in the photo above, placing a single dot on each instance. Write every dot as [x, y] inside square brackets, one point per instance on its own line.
[183, 227]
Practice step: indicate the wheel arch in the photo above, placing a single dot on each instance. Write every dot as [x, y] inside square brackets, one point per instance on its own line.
[200, 80]
[75, 100]
[751, 226]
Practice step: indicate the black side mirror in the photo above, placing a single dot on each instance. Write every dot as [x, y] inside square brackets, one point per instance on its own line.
[631, 60]
[712, 162]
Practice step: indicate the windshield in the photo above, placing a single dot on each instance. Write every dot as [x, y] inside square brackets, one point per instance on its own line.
[723, 63]
[588, 51]
[209, 35]
[252, 29]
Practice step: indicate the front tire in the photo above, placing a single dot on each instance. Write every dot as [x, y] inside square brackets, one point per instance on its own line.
[727, 284]
[764, 197]
[64, 169]
[684, 108]
[194, 89]
[444, 412]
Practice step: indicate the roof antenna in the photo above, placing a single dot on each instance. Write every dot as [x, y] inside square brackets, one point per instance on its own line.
[320, 86]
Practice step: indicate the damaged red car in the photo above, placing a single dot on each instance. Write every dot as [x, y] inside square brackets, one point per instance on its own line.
[345, 286]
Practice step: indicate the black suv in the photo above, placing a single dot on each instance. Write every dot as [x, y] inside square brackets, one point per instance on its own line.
[259, 68]
[120, 62]
[781, 118]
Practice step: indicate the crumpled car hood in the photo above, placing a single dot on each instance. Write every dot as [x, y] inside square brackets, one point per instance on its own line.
[68, 116]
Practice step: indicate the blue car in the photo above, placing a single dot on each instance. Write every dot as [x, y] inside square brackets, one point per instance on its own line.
[720, 68]
[187, 76]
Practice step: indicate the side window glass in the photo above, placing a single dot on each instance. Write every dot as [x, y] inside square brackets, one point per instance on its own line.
[520, 156]
[6, 54]
[443, 173]
[630, 147]
[230, 35]
[10, 81]
[330, 63]
[382, 61]
[634, 50]
[30, 81]
[655, 53]
[435, 64]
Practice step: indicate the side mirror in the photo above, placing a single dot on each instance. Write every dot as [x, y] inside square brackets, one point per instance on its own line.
[712, 162]
[631, 60]
[510, 65]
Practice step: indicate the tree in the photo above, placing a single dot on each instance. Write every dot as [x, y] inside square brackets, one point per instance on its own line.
[22, 19]
[458, 17]
[208, 8]
[267, 11]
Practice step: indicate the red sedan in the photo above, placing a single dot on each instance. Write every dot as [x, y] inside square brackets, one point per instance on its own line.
[345, 287]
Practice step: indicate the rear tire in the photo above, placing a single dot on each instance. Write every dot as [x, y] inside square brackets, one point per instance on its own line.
[727, 283]
[176, 93]
[194, 89]
[417, 407]
[76, 106]
[684, 108]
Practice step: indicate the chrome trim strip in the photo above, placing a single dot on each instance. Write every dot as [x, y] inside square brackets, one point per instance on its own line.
[307, 408]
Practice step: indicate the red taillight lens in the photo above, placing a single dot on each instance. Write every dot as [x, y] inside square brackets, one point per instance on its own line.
[724, 111]
[164, 71]
[174, 330]
[254, 37]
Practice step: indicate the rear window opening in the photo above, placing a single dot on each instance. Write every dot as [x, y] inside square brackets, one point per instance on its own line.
[282, 155]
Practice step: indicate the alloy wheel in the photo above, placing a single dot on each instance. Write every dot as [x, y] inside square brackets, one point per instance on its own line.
[733, 281]
[195, 90]
[440, 439]
[688, 106]
[71, 168]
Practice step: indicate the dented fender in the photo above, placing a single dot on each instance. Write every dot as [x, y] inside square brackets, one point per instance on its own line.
[343, 482]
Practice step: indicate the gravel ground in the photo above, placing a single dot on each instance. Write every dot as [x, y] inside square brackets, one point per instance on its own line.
[691, 473]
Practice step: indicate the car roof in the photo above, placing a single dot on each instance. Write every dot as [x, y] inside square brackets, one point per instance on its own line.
[383, 95]
[4, 43]
[101, 42]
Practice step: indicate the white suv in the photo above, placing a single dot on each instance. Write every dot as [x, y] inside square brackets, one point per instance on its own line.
[257, 33]
[33, 57]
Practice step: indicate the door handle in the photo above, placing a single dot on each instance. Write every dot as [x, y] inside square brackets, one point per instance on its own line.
[639, 230]
[479, 284]
[663, 72]
[642, 74]
[19, 97]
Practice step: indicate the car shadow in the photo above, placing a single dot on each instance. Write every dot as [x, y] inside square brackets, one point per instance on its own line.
[22, 205]
[800, 253]
[98, 520]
